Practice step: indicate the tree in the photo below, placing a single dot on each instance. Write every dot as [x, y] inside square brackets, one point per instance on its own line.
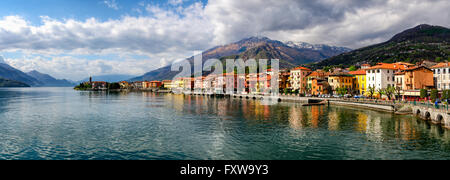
[342, 91]
[423, 93]
[398, 92]
[352, 68]
[380, 92]
[389, 91]
[371, 91]
[434, 95]
[114, 86]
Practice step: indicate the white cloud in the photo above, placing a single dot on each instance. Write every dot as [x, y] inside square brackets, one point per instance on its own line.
[169, 34]
[352, 23]
[175, 2]
[111, 4]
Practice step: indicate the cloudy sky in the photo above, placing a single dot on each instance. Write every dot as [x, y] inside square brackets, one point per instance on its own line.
[76, 38]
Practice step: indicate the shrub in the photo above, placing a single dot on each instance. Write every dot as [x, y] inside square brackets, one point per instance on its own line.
[434, 95]
[423, 93]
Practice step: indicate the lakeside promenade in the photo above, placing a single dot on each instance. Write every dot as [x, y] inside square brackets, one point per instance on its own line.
[436, 114]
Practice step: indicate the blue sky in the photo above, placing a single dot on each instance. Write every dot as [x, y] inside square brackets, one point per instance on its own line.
[79, 9]
[76, 38]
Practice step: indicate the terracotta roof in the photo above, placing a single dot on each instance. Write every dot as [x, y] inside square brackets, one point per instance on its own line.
[366, 65]
[416, 67]
[341, 74]
[301, 68]
[359, 72]
[318, 73]
[394, 66]
[400, 73]
[440, 65]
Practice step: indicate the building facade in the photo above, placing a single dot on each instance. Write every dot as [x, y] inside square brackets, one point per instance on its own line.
[441, 76]
[359, 81]
[340, 80]
[298, 79]
[382, 75]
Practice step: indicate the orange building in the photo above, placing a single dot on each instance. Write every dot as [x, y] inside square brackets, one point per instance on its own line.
[155, 84]
[284, 79]
[415, 78]
[319, 86]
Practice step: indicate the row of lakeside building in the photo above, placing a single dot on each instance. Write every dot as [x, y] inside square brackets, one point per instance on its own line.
[406, 77]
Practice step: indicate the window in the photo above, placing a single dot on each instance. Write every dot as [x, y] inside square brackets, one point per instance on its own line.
[388, 71]
[378, 71]
[393, 78]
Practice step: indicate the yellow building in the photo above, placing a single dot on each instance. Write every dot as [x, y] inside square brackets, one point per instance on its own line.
[167, 84]
[178, 84]
[341, 80]
[359, 81]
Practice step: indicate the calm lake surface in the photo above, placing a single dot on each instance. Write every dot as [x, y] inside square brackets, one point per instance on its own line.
[60, 123]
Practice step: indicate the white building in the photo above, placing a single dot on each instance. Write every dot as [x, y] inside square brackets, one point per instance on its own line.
[441, 76]
[382, 75]
[298, 78]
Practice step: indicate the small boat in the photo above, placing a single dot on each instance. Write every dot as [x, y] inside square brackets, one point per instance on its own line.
[315, 104]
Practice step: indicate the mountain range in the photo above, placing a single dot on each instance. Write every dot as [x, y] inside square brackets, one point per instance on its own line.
[12, 77]
[10, 83]
[49, 81]
[10, 73]
[290, 54]
[423, 42]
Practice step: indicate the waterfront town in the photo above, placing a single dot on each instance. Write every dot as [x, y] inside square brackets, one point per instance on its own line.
[396, 81]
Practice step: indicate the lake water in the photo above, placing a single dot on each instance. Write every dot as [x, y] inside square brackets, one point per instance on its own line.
[60, 123]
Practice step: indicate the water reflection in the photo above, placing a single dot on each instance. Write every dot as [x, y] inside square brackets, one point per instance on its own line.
[65, 124]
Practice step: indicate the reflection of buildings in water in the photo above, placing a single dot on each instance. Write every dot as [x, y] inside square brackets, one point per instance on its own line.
[374, 129]
[222, 107]
[405, 130]
[361, 122]
[178, 102]
[296, 117]
[333, 120]
[316, 112]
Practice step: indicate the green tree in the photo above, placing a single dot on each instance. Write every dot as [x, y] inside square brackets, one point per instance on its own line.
[389, 91]
[423, 93]
[352, 68]
[444, 94]
[434, 95]
[371, 91]
[114, 86]
[380, 92]
[398, 92]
